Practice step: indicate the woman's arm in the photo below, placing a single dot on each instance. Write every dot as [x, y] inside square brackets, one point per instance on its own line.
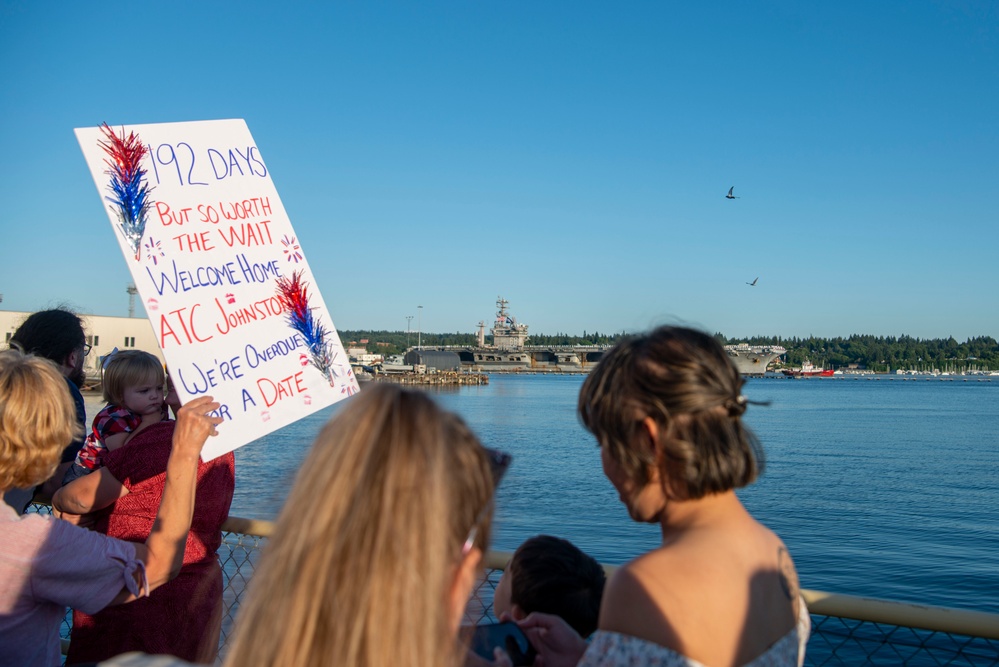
[163, 551]
[88, 493]
[147, 420]
[113, 442]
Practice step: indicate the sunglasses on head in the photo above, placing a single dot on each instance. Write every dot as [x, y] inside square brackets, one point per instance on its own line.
[498, 463]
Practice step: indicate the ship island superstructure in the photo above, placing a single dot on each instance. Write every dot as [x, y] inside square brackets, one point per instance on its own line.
[511, 352]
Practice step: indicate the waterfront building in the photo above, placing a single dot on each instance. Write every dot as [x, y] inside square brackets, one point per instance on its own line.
[103, 334]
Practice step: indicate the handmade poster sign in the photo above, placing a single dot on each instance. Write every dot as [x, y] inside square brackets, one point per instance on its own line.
[225, 283]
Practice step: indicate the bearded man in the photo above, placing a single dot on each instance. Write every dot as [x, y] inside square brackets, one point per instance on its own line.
[58, 336]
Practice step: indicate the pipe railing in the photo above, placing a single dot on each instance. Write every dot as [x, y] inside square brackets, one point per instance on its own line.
[870, 610]
[822, 603]
[847, 629]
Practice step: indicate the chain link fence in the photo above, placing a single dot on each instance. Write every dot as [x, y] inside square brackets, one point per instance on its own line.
[238, 555]
[841, 641]
[836, 640]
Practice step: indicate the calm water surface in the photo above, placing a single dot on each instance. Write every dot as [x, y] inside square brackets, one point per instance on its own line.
[884, 488]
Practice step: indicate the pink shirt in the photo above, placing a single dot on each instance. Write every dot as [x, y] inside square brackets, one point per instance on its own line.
[40, 575]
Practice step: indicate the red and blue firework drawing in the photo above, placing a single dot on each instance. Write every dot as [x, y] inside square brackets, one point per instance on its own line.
[129, 190]
[154, 250]
[294, 297]
[292, 250]
[349, 389]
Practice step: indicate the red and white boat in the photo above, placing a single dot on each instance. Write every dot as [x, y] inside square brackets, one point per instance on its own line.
[807, 370]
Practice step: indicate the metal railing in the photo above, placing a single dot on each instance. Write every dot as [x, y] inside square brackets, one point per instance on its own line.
[846, 629]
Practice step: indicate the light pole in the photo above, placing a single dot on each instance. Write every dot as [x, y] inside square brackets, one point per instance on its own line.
[409, 322]
[419, 328]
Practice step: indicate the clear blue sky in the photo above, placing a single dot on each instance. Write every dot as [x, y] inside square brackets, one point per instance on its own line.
[572, 156]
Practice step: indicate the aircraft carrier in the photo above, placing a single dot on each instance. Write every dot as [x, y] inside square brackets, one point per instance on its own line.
[509, 351]
[753, 359]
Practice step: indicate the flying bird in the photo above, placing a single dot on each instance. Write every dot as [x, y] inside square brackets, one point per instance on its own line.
[753, 284]
[730, 195]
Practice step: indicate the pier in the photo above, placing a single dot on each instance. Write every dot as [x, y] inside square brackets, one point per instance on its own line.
[445, 378]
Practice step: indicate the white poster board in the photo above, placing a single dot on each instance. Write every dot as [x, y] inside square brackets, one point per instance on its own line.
[209, 246]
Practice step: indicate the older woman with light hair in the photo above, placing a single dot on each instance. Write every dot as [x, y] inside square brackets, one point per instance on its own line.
[378, 547]
[40, 556]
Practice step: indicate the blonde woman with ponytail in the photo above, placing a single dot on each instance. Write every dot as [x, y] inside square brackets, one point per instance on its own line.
[378, 546]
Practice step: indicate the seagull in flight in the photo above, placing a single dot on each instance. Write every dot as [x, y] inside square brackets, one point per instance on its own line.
[730, 195]
[752, 284]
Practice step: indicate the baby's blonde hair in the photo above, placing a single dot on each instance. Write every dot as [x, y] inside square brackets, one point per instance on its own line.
[130, 368]
[366, 548]
[37, 419]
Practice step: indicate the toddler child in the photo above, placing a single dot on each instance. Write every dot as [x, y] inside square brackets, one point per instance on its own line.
[552, 576]
[133, 388]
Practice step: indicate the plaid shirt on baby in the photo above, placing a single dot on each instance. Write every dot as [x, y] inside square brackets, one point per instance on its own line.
[111, 420]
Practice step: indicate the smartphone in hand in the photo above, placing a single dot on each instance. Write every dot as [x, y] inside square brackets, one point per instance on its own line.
[508, 636]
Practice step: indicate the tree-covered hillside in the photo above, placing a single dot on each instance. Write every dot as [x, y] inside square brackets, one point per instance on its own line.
[396, 342]
[880, 353]
[877, 353]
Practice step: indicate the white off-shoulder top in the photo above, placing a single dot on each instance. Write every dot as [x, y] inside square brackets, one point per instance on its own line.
[613, 649]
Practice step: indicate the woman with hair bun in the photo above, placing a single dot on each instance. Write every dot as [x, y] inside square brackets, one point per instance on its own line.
[721, 589]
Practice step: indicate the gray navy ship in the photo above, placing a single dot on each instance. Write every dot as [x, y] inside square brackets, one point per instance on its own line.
[753, 359]
[510, 351]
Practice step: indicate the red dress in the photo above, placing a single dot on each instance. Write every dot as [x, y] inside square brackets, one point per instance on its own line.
[182, 617]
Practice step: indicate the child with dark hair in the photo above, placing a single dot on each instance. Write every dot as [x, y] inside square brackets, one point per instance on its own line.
[551, 575]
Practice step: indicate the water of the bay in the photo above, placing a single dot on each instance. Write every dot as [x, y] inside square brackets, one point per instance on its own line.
[880, 486]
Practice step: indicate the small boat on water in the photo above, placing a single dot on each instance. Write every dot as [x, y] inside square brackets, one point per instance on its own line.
[808, 370]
